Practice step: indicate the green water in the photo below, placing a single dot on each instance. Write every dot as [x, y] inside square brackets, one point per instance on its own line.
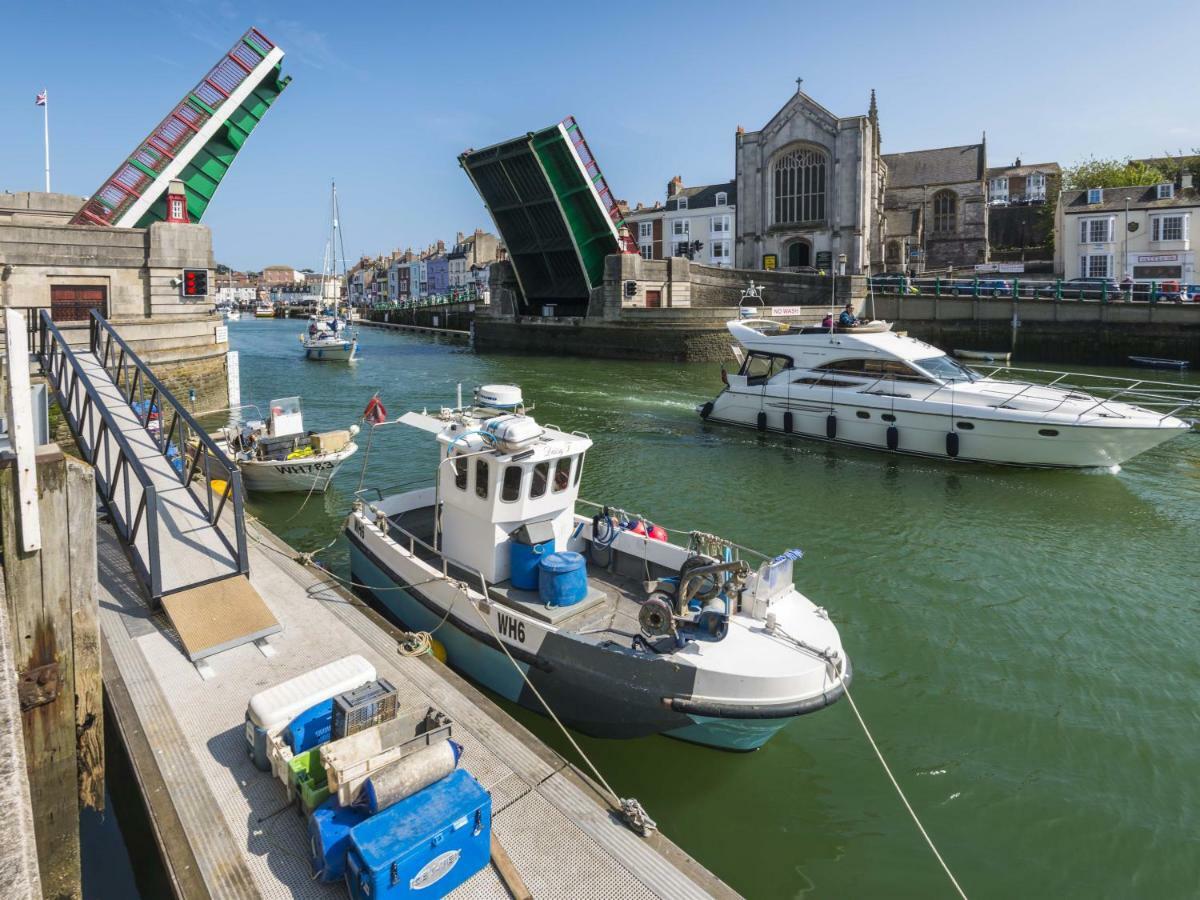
[1023, 641]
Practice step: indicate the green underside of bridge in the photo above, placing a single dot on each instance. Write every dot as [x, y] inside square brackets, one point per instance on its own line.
[203, 174]
[556, 231]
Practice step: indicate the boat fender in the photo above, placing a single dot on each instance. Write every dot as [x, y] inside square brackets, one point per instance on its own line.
[893, 437]
[762, 421]
[787, 422]
[706, 410]
[831, 426]
[657, 533]
[637, 526]
[952, 444]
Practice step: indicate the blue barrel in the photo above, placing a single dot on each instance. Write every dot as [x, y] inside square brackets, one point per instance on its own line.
[562, 579]
[523, 562]
[329, 838]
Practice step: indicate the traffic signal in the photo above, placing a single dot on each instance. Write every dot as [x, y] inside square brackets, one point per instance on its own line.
[631, 289]
[195, 282]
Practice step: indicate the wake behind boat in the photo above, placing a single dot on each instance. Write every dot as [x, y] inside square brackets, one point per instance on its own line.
[871, 387]
[624, 633]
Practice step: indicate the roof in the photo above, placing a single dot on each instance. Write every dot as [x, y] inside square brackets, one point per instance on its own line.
[704, 195]
[1051, 168]
[945, 165]
[1140, 196]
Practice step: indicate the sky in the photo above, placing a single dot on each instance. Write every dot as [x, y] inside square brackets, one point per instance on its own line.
[386, 95]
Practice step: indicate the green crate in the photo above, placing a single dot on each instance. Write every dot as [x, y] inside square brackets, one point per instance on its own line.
[309, 779]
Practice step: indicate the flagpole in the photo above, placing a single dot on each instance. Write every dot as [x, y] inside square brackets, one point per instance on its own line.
[46, 124]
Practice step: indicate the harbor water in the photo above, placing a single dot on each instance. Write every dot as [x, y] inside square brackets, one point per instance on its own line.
[1023, 641]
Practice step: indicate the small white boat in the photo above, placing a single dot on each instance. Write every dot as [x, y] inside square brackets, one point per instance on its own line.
[984, 356]
[264, 311]
[623, 632]
[877, 389]
[232, 314]
[1157, 362]
[279, 456]
[329, 340]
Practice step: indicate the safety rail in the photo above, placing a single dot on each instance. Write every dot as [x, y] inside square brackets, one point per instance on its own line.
[1166, 398]
[106, 449]
[997, 287]
[188, 446]
[131, 180]
[599, 182]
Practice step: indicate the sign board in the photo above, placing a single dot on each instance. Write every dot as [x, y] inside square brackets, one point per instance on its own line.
[221, 334]
[1016, 267]
[787, 310]
[824, 260]
[233, 370]
[1159, 257]
[770, 261]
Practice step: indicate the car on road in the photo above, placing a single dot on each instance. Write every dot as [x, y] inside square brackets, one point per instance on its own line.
[1091, 288]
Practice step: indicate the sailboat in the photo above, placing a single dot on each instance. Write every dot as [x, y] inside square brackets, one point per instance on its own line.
[329, 337]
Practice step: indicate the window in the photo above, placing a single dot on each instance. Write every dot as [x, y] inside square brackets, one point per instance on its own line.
[722, 199]
[1095, 265]
[1166, 191]
[720, 251]
[681, 227]
[176, 208]
[512, 484]
[562, 475]
[1035, 186]
[798, 179]
[460, 473]
[761, 367]
[647, 251]
[1095, 195]
[1096, 231]
[874, 368]
[681, 203]
[645, 230]
[541, 472]
[945, 212]
[1169, 228]
[719, 225]
[482, 476]
[998, 190]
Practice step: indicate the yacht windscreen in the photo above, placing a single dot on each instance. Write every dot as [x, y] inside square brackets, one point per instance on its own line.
[946, 368]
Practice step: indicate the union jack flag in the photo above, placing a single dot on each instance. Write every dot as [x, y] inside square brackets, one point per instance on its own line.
[41, 99]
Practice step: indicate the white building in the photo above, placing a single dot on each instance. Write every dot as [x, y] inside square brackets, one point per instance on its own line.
[696, 222]
[1141, 232]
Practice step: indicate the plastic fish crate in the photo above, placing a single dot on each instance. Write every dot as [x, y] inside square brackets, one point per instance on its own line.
[308, 780]
[358, 709]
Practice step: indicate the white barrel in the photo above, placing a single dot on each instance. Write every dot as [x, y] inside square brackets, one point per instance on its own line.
[405, 777]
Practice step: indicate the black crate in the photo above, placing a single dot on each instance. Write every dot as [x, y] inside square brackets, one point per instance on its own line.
[363, 707]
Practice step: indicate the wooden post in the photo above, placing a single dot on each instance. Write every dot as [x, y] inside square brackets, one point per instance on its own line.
[51, 599]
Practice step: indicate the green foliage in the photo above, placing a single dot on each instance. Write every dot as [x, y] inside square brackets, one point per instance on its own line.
[223, 269]
[1111, 173]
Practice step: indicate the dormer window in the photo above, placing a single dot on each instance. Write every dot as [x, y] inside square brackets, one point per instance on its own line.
[1166, 191]
[722, 199]
[1095, 195]
[682, 203]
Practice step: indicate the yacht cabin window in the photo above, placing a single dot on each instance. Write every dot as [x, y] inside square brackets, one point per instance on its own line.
[760, 368]
[562, 475]
[460, 473]
[579, 467]
[511, 490]
[875, 368]
[541, 474]
[482, 476]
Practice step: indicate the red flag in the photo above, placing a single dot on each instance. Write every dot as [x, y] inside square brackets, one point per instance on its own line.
[375, 413]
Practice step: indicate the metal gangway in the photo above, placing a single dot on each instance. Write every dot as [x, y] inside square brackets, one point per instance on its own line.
[173, 496]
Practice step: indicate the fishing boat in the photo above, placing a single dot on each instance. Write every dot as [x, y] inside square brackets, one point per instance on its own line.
[330, 337]
[278, 455]
[623, 632]
[870, 387]
[1154, 362]
[232, 314]
[264, 310]
[984, 355]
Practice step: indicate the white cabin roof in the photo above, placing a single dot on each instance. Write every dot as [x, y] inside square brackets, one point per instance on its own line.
[790, 341]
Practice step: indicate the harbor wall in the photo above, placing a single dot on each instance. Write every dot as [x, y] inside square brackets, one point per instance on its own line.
[1066, 331]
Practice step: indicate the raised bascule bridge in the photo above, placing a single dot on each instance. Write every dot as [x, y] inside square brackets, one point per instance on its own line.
[196, 143]
[555, 212]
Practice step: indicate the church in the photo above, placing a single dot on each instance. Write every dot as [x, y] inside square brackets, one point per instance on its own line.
[814, 187]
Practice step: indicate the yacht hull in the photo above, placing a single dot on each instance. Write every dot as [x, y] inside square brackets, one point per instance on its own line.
[979, 440]
[597, 691]
[331, 351]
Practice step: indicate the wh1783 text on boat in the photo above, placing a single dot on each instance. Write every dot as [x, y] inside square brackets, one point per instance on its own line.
[869, 387]
[622, 632]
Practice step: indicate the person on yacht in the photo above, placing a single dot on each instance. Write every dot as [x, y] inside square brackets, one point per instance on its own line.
[827, 322]
[847, 318]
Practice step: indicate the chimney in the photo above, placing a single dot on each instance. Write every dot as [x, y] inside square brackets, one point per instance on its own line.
[1018, 162]
[458, 237]
[674, 186]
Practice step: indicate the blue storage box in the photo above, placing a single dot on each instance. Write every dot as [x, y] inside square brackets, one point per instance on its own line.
[329, 829]
[424, 846]
[562, 579]
[311, 728]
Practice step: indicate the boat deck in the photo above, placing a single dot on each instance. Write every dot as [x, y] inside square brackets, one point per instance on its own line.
[609, 613]
[225, 828]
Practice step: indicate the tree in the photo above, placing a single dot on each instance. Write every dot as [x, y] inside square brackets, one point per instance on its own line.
[1111, 173]
[223, 269]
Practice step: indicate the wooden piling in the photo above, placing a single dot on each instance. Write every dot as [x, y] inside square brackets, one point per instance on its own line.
[51, 605]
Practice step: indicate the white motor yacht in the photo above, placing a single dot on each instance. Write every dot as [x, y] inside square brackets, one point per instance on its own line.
[869, 387]
[623, 632]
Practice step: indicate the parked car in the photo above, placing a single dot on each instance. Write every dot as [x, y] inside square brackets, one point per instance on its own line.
[895, 280]
[1091, 288]
[1165, 290]
[987, 287]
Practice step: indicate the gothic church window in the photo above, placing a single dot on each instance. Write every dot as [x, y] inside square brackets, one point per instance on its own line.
[799, 181]
[945, 212]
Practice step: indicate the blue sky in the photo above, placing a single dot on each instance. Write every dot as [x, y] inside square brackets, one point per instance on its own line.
[386, 95]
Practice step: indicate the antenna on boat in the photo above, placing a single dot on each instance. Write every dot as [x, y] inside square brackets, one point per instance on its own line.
[459, 406]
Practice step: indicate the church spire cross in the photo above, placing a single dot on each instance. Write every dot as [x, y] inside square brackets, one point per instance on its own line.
[799, 81]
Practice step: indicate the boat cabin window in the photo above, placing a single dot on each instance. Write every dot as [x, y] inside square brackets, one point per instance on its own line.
[482, 475]
[511, 491]
[875, 368]
[579, 468]
[759, 368]
[460, 473]
[541, 474]
[947, 369]
[562, 475]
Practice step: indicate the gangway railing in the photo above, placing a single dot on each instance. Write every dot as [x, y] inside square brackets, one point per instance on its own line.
[175, 432]
[124, 485]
